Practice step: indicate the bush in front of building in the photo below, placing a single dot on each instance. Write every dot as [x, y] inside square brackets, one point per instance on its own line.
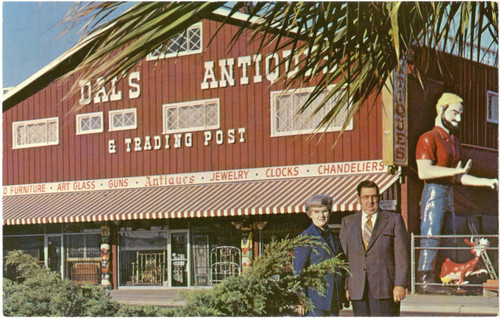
[38, 291]
[270, 288]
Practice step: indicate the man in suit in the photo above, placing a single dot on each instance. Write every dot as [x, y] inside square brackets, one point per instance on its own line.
[318, 208]
[375, 243]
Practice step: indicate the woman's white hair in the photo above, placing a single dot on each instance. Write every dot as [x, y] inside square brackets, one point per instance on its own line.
[319, 200]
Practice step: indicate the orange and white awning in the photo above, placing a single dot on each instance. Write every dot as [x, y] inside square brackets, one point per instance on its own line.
[261, 197]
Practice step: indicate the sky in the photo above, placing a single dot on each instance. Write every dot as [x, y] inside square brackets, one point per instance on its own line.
[30, 32]
[31, 37]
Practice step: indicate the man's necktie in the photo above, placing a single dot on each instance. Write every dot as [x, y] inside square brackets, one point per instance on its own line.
[367, 231]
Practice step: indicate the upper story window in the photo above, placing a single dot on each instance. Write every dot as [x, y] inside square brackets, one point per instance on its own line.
[123, 119]
[286, 121]
[492, 107]
[35, 133]
[184, 43]
[89, 123]
[191, 116]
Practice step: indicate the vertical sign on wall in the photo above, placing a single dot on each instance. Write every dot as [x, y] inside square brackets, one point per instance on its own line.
[400, 116]
[395, 118]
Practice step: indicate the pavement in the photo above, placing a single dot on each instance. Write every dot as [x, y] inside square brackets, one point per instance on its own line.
[418, 305]
[415, 305]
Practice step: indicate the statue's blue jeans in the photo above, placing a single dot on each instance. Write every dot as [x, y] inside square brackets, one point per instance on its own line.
[437, 217]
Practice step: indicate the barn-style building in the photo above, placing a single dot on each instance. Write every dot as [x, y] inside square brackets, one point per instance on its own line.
[177, 175]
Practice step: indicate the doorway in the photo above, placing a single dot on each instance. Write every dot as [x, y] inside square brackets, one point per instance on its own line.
[180, 270]
[54, 255]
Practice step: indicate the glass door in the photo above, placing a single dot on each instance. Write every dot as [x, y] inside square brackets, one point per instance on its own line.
[54, 244]
[179, 259]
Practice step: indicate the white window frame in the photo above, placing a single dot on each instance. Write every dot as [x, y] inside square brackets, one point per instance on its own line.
[80, 117]
[274, 133]
[190, 103]
[162, 55]
[31, 122]
[115, 112]
[490, 119]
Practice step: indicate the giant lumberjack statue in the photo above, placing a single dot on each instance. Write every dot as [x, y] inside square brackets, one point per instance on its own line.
[439, 165]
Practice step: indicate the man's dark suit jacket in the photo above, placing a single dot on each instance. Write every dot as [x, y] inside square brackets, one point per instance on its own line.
[385, 262]
[305, 256]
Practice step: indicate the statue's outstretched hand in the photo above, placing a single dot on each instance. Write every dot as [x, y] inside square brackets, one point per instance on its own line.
[494, 184]
[465, 169]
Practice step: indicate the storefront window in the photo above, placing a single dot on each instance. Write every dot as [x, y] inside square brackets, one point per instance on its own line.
[83, 262]
[216, 251]
[31, 245]
[143, 258]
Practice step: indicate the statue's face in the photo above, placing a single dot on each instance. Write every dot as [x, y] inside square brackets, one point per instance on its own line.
[452, 116]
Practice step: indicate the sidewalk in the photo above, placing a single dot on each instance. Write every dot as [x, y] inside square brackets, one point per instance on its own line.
[412, 305]
[441, 305]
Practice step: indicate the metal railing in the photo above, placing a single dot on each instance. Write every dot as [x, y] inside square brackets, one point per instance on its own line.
[468, 273]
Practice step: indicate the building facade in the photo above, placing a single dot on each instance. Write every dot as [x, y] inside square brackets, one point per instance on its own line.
[177, 175]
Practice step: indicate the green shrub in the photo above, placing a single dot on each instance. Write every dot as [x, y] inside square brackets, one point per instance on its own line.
[97, 302]
[40, 292]
[270, 288]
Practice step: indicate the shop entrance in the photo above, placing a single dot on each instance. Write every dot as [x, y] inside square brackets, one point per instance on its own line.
[155, 258]
[143, 258]
[54, 244]
[179, 259]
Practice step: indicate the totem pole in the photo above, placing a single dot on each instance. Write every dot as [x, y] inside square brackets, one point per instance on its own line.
[106, 258]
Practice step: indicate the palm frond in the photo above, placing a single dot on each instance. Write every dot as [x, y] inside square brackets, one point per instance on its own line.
[359, 44]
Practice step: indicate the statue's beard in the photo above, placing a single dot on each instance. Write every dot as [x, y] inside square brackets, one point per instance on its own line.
[447, 124]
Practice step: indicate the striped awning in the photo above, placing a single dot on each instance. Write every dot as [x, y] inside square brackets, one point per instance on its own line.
[193, 201]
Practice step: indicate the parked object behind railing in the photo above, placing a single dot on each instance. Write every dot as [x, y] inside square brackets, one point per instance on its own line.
[456, 272]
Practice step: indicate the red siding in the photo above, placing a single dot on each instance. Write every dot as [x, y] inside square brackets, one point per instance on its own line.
[81, 157]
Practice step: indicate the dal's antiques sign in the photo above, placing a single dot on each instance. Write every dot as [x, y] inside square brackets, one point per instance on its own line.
[88, 94]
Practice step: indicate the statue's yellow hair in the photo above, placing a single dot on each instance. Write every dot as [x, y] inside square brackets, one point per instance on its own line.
[446, 99]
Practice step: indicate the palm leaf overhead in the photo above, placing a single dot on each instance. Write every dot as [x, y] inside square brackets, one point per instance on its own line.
[354, 45]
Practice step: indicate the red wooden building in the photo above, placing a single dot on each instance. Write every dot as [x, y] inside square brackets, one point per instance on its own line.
[189, 165]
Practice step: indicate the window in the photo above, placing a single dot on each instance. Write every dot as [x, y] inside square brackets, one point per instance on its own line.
[35, 133]
[82, 245]
[123, 119]
[492, 107]
[286, 121]
[184, 43]
[191, 116]
[89, 123]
